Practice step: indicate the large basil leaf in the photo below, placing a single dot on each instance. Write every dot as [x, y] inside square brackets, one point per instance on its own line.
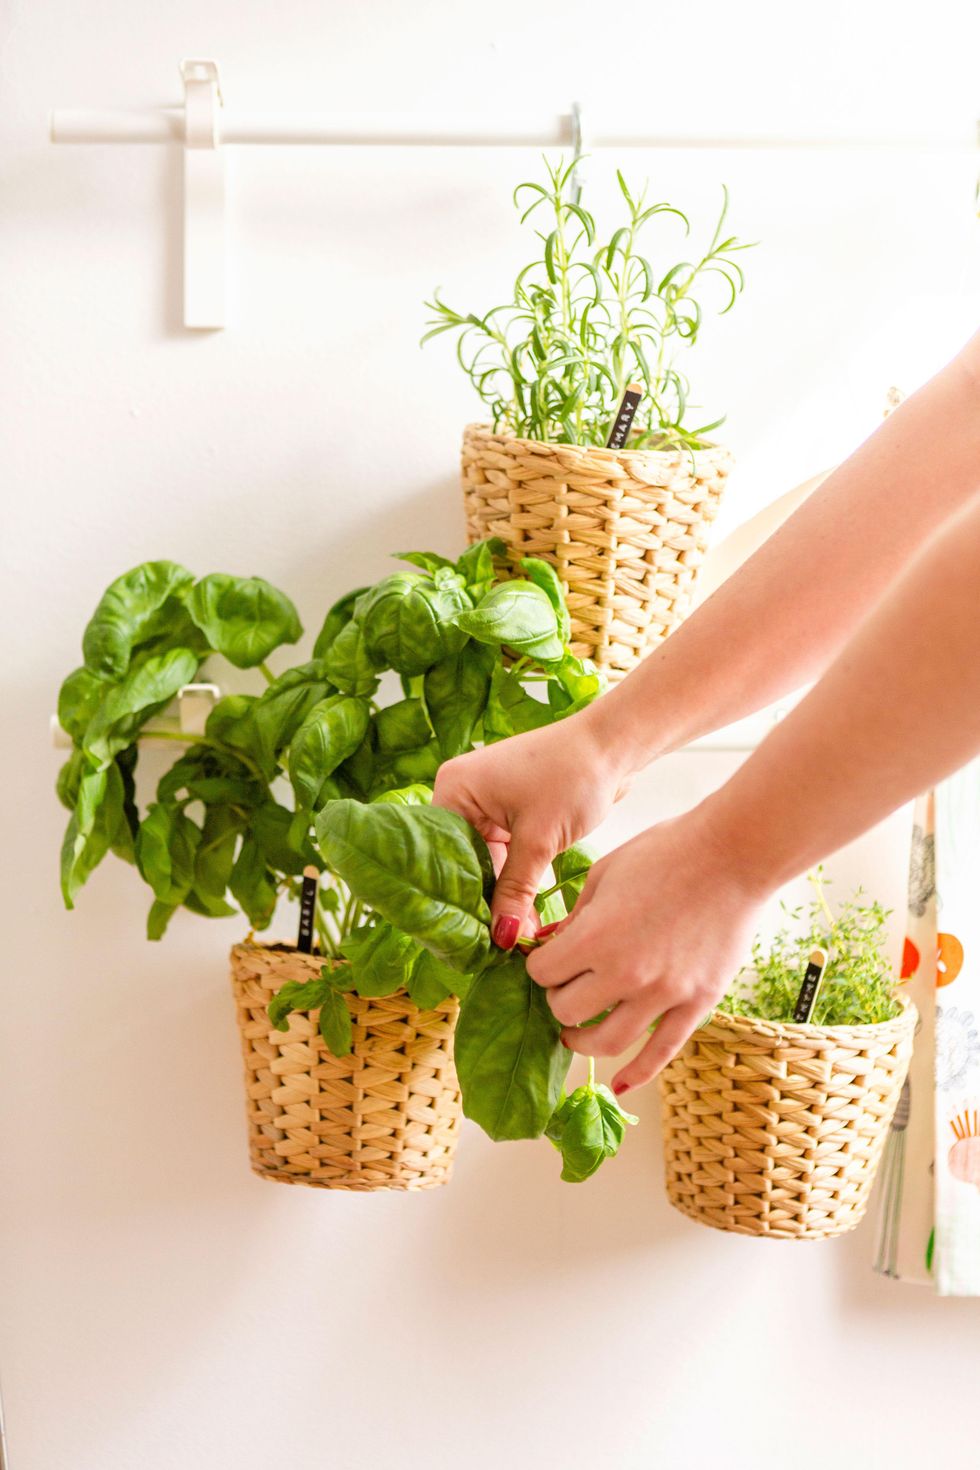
[519, 615]
[456, 691]
[543, 575]
[349, 664]
[419, 867]
[281, 838]
[509, 1057]
[99, 821]
[431, 981]
[78, 699]
[244, 618]
[409, 621]
[123, 839]
[124, 616]
[166, 849]
[358, 769]
[381, 959]
[145, 690]
[253, 885]
[275, 717]
[402, 726]
[209, 775]
[331, 732]
[510, 709]
[405, 768]
[588, 1128]
[231, 722]
[336, 620]
[215, 859]
[69, 778]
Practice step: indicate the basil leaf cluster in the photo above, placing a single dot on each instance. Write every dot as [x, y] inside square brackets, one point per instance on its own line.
[330, 762]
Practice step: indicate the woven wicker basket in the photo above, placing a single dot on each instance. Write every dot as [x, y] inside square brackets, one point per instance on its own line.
[386, 1117]
[777, 1130]
[626, 529]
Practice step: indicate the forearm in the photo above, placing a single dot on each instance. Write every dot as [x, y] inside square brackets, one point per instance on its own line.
[779, 621]
[897, 711]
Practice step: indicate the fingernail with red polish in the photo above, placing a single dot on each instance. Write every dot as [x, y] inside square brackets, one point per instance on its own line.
[547, 929]
[505, 931]
[620, 1087]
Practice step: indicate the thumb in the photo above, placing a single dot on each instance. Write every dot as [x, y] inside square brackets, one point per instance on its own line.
[516, 887]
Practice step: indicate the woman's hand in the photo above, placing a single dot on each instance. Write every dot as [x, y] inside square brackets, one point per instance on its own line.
[530, 797]
[662, 926]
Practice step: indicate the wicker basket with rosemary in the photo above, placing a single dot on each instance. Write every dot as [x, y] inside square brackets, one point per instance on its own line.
[626, 529]
[777, 1129]
[386, 1117]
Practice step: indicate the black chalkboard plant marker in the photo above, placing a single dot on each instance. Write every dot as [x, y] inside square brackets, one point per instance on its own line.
[623, 421]
[810, 988]
[307, 905]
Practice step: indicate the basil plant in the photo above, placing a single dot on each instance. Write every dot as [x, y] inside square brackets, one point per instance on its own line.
[318, 768]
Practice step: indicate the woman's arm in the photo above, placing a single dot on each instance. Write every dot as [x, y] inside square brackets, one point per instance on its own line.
[774, 625]
[897, 711]
[780, 619]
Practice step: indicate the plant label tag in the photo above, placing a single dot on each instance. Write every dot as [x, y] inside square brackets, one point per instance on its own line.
[307, 903]
[809, 990]
[624, 418]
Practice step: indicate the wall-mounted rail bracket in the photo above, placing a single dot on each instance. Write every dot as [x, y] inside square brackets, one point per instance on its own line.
[194, 703]
[205, 129]
[204, 197]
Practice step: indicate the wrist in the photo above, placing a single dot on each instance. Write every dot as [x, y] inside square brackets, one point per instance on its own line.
[624, 735]
[737, 845]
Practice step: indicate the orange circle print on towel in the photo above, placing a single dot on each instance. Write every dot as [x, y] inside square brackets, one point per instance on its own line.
[949, 960]
[910, 959]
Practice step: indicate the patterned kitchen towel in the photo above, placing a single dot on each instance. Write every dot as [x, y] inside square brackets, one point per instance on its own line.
[929, 1228]
[956, 1260]
[906, 1204]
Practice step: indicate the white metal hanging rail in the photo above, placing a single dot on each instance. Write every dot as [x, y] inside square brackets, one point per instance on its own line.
[204, 125]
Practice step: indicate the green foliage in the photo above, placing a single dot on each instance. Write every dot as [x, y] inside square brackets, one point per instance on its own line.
[857, 985]
[326, 995]
[243, 618]
[509, 1057]
[586, 318]
[315, 768]
[587, 1128]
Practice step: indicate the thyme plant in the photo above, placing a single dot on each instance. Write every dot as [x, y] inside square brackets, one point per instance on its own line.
[588, 318]
[857, 984]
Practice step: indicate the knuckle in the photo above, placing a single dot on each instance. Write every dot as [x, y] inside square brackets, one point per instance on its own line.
[562, 1008]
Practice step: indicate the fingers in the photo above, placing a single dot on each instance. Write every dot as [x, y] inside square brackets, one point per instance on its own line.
[671, 1033]
[580, 999]
[516, 887]
[625, 1024]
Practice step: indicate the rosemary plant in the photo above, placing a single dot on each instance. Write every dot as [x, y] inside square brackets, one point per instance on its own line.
[857, 985]
[586, 319]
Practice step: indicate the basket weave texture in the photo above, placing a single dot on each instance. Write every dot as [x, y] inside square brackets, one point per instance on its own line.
[386, 1117]
[626, 529]
[777, 1130]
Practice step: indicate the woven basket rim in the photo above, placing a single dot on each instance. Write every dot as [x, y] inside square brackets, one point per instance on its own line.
[705, 454]
[798, 1031]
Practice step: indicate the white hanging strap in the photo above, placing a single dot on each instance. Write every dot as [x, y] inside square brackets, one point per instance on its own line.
[204, 197]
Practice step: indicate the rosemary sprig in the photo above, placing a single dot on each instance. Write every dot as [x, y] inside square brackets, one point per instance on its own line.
[586, 319]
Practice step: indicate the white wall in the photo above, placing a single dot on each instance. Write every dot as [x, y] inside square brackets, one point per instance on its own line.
[162, 1307]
